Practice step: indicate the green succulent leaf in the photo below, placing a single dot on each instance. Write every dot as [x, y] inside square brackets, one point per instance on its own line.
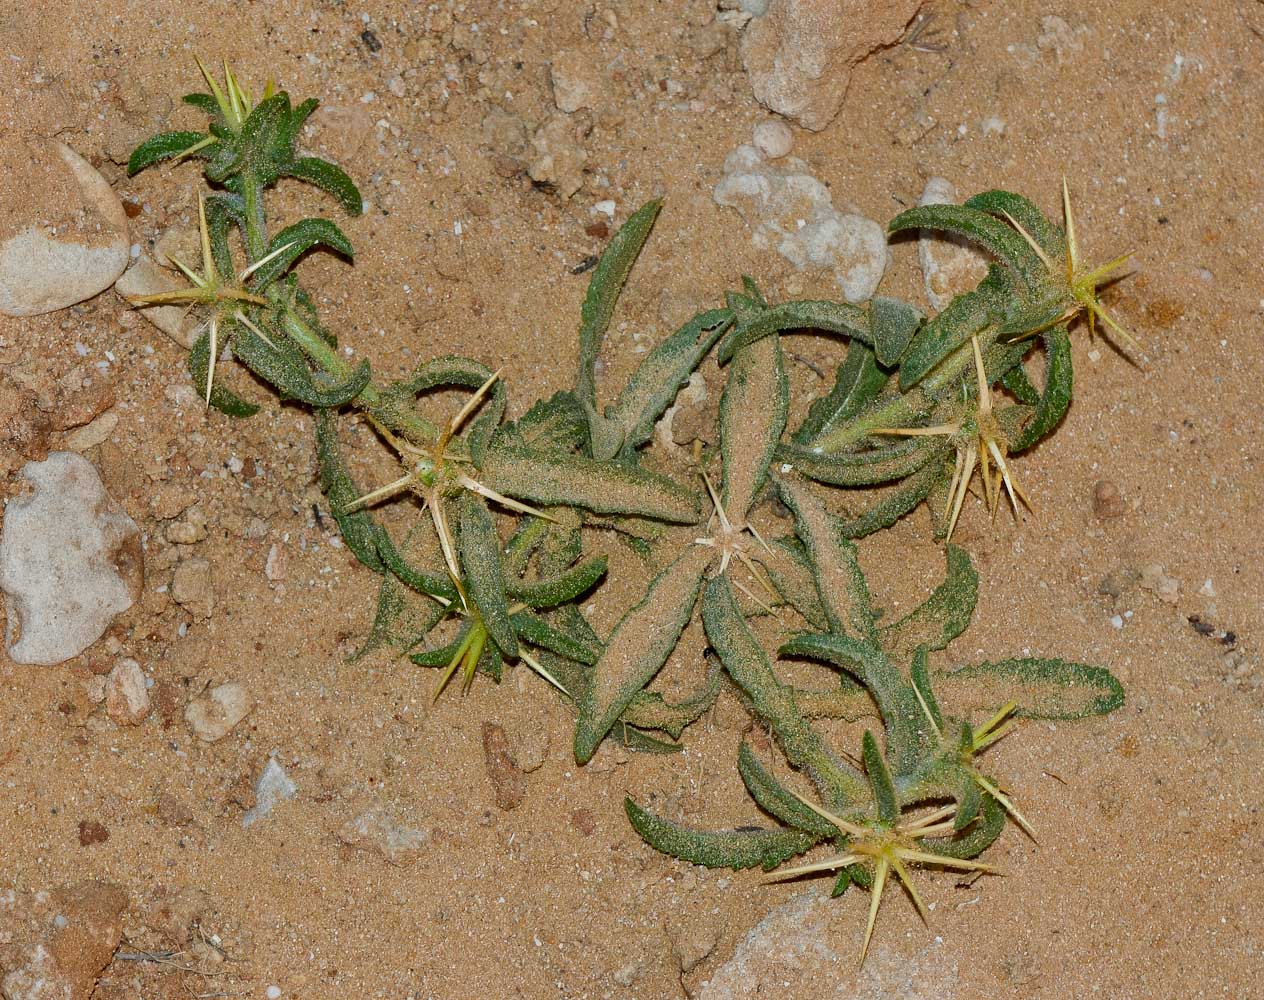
[908, 731]
[790, 572]
[638, 647]
[631, 738]
[832, 317]
[203, 102]
[863, 468]
[1043, 688]
[1026, 214]
[281, 364]
[535, 630]
[919, 674]
[420, 580]
[478, 550]
[296, 241]
[656, 381]
[895, 503]
[566, 586]
[747, 663]
[556, 424]
[880, 781]
[224, 400]
[223, 212]
[330, 178]
[892, 323]
[1059, 384]
[725, 849]
[753, 409]
[602, 487]
[964, 316]
[840, 583]
[359, 532]
[775, 800]
[162, 147]
[607, 281]
[856, 384]
[650, 710]
[978, 226]
[402, 620]
[942, 617]
[977, 838]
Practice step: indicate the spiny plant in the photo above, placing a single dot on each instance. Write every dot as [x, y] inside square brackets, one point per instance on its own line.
[903, 373]
[542, 460]
[458, 597]
[876, 815]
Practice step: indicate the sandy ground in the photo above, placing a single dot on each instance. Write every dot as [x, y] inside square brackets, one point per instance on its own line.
[1146, 879]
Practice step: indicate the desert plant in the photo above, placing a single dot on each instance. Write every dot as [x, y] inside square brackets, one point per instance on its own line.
[457, 597]
[876, 814]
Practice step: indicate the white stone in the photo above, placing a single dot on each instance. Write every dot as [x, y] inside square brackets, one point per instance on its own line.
[214, 715]
[376, 829]
[70, 561]
[576, 80]
[126, 697]
[950, 265]
[773, 138]
[803, 948]
[272, 787]
[792, 212]
[92, 433]
[44, 269]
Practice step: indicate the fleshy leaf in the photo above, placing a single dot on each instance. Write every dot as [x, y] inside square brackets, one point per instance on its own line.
[989, 232]
[1027, 215]
[657, 380]
[775, 800]
[753, 412]
[420, 580]
[1059, 383]
[359, 533]
[559, 589]
[161, 147]
[942, 617]
[880, 781]
[224, 400]
[602, 487]
[839, 581]
[604, 286]
[862, 468]
[1043, 689]
[892, 323]
[747, 663]
[832, 317]
[725, 849]
[790, 572]
[964, 316]
[403, 619]
[478, 549]
[284, 366]
[908, 731]
[535, 630]
[556, 424]
[649, 710]
[857, 383]
[329, 178]
[638, 647]
[298, 239]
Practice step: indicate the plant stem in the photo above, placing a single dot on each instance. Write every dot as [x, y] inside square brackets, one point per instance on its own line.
[256, 226]
[400, 420]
